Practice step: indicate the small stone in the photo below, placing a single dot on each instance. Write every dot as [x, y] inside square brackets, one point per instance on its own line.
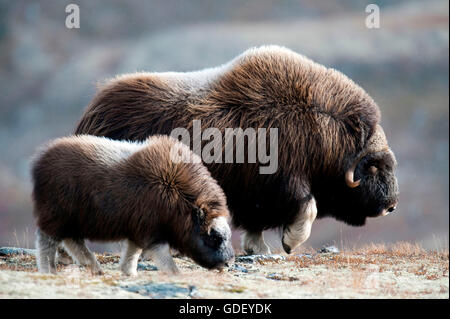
[194, 293]
[146, 267]
[273, 276]
[236, 267]
[329, 249]
[160, 290]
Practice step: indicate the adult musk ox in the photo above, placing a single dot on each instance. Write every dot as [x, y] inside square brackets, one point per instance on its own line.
[89, 187]
[333, 156]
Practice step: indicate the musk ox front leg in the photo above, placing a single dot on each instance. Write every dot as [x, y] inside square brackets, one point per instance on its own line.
[129, 259]
[160, 254]
[78, 250]
[46, 252]
[298, 232]
[253, 244]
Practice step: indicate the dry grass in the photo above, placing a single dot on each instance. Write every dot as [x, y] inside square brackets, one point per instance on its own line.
[400, 249]
[18, 263]
[403, 270]
[397, 258]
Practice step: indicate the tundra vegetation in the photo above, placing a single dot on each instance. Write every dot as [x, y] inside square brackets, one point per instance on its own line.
[401, 270]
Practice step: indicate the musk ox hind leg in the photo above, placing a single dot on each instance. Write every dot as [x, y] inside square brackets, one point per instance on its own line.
[63, 257]
[129, 258]
[78, 250]
[160, 254]
[253, 244]
[46, 252]
[299, 230]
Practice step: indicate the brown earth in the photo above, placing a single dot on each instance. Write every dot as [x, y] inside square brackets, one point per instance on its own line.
[402, 270]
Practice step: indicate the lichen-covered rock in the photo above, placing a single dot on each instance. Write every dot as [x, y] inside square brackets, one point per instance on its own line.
[239, 268]
[329, 249]
[9, 251]
[162, 290]
[146, 267]
[250, 259]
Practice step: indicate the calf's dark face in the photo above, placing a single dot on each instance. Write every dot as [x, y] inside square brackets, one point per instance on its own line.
[377, 194]
[210, 245]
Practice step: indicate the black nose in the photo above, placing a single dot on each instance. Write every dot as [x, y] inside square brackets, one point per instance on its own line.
[286, 248]
[392, 208]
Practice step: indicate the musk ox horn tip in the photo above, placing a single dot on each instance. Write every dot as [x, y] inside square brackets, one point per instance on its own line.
[349, 179]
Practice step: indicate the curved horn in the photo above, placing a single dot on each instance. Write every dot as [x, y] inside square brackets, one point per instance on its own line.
[376, 143]
[349, 175]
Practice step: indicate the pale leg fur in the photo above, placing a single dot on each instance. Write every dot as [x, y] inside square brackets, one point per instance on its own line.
[129, 258]
[78, 250]
[46, 253]
[160, 254]
[63, 257]
[298, 232]
[253, 244]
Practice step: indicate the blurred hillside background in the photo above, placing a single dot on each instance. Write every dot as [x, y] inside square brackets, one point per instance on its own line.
[48, 75]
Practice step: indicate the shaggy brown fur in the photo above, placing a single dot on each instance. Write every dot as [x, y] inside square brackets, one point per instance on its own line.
[88, 187]
[325, 123]
[262, 88]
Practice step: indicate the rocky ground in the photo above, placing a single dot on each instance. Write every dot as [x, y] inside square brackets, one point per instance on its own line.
[400, 271]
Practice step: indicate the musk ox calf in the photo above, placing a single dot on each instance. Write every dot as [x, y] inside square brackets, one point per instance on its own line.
[333, 156]
[88, 187]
